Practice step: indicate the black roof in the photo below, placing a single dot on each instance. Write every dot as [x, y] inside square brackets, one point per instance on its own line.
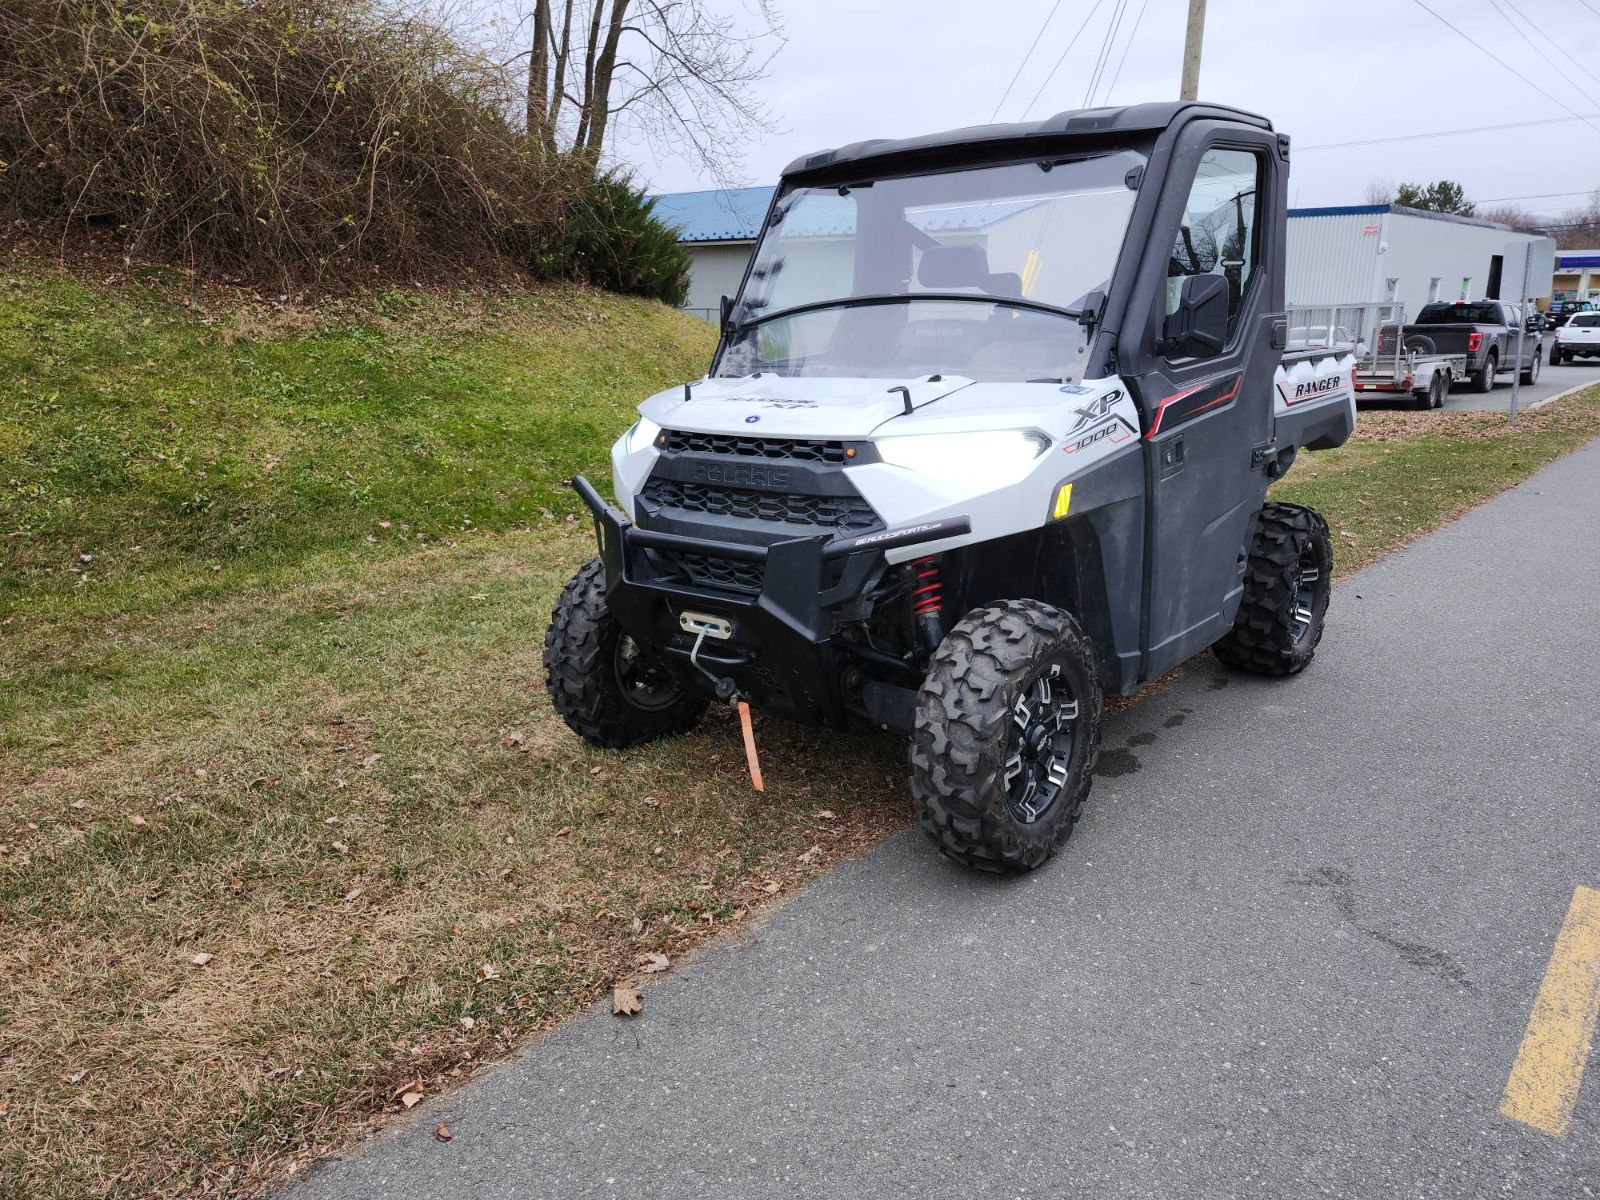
[1081, 122]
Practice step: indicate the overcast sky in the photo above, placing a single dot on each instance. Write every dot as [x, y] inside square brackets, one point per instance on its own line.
[1323, 72]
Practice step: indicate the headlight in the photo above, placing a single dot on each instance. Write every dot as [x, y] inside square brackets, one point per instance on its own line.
[1004, 455]
[643, 434]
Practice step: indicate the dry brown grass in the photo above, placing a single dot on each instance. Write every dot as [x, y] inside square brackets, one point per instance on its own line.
[353, 797]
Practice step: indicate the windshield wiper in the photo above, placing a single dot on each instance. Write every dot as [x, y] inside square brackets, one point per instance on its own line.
[1075, 314]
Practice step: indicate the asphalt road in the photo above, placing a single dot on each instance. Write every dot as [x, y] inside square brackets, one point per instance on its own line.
[1291, 951]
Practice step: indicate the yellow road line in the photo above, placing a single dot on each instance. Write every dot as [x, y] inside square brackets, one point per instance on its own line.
[1544, 1081]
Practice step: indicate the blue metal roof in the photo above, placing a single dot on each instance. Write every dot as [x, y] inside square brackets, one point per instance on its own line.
[717, 215]
[1577, 260]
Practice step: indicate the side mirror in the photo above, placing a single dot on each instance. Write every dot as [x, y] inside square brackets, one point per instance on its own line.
[727, 313]
[1199, 328]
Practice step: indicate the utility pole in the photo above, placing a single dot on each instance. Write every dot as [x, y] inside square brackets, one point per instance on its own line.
[1191, 50]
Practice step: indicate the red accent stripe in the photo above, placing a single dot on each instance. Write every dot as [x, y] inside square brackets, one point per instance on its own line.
[1161, 409]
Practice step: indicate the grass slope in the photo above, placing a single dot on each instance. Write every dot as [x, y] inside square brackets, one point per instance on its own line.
[144, 443]
[329, 765]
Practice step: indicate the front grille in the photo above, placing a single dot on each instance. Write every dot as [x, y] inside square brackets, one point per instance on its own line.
[704, 570]
[847, 514]
[755, 447]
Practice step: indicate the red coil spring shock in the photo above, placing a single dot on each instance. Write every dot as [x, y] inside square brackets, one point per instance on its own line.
[927, 601]
[928, 595]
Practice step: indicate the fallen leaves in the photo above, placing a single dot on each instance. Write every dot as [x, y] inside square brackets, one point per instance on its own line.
[651, 963]
[513, 739]
[442, 1132]
[137, 821]
[411, 1099]
[202, 958]
[339, 847]
[811, 855]
[487, 971]
[625, 1000]
[771, 887]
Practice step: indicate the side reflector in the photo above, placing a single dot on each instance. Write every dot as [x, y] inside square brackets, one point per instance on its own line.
[1063, 502]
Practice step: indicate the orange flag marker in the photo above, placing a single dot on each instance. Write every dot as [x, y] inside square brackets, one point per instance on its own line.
[752, 760]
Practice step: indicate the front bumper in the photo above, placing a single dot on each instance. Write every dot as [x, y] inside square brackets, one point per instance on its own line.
[782, 655]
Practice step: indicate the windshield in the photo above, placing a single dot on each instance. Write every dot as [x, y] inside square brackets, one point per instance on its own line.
[971, 263]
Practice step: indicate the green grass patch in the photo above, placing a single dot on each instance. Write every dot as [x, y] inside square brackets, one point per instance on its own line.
[329, 765]
[148, 442]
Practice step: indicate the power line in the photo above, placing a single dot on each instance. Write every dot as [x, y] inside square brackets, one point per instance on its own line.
[1024, 61]
[1439, 133]
[1553, 43]
[1521, 33]
[1117, 74]
[1538, 196]
[1489, 53]
[1063, 58]
[1104, 56]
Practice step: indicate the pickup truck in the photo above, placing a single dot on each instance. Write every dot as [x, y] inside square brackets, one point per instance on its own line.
[1578, 338]
[1485, 331]
[1563, 311]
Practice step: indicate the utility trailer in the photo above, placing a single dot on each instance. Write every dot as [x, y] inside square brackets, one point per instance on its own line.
[988, 434]
[1389, 361]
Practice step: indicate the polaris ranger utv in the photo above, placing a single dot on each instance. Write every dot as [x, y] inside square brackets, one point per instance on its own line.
[988, 432]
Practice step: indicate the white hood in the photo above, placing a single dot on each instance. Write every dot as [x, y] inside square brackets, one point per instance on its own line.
[772, 406]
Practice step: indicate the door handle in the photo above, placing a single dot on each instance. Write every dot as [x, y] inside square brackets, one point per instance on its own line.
[1171, 456]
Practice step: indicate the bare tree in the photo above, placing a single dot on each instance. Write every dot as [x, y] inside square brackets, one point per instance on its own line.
[1380, 191]
[1514, 215]
[679, 72]
[1579, 228]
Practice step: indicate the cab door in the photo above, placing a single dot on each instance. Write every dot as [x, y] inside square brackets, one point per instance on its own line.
[1208, 413]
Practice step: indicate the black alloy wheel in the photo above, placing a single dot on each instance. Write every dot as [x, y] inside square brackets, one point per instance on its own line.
[1044, 720]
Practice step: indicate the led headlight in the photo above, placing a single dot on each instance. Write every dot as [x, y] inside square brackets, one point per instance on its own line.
[643, 434]
[996, 456]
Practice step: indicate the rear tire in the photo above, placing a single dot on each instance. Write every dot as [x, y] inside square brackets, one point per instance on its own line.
[599, 680]
[1287, 585]
[1433, 395]
[1483, 381]
[1530, 373]
[1006, 736]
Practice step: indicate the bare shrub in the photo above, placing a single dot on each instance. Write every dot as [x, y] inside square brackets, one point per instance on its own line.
[288, 139]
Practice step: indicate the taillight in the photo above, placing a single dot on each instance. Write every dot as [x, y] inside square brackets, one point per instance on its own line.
[1474, 342]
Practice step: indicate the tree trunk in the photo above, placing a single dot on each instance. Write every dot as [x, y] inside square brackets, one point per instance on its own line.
[559, 88]
[590, 47]
[539, 75]
[605, 65]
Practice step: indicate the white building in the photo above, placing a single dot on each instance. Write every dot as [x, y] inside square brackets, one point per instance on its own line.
[1356, 254]
[1382, 253]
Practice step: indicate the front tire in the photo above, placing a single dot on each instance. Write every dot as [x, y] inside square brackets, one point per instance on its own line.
[1006, 736]
[1287, 585]
[1555, 355]
[605, 688]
